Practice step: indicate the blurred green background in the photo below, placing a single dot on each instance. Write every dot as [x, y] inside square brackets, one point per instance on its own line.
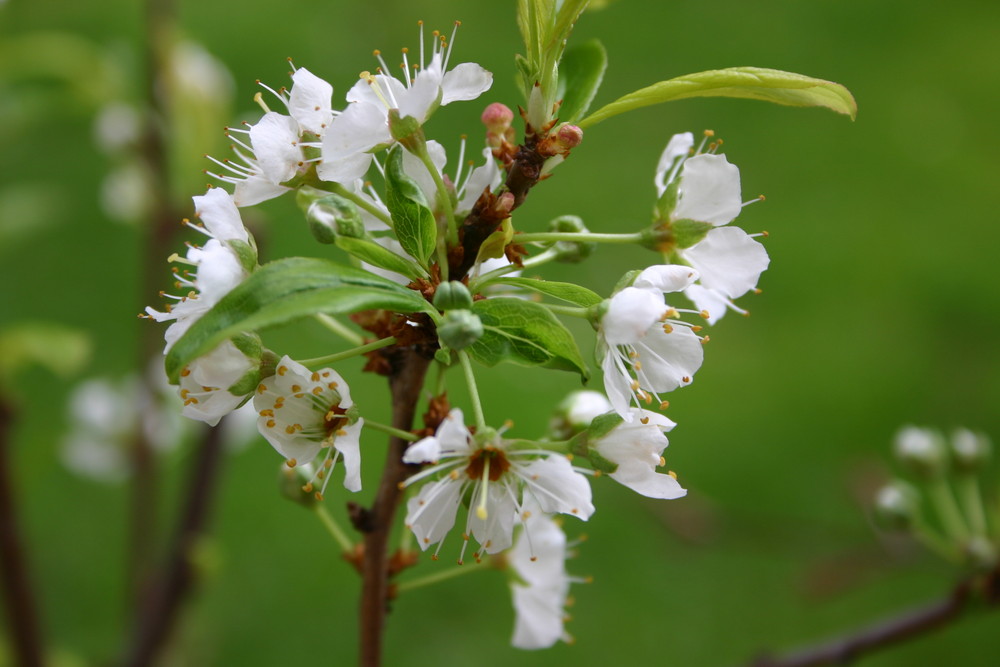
[880, 308]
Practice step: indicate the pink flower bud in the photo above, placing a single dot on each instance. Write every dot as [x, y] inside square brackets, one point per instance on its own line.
[497, 118]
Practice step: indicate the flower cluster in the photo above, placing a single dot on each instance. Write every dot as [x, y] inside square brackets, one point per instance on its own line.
[433, 272]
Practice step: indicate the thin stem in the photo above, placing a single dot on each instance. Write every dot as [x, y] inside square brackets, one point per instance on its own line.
[571, 311]
[347, 354]
[341, 329]
[470, 379]
[19, 599]
[482, 281]
[933, 540]
[947, 508]
[579, 237]
[395, 432]
[358, 200]
[437, 577]
[450, 237]
[334, 528]
[972, 501]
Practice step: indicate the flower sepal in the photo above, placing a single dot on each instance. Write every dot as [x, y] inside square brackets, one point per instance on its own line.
[407, 131]
[686, 233]
[261, 361]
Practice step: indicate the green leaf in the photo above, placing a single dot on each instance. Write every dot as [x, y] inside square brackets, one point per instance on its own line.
[61, 349]
[526, 333]
[368, 251]
[580, 74]
[581, 296]
[412, 218]
[495, 244]
[756, 83]
[286, 290]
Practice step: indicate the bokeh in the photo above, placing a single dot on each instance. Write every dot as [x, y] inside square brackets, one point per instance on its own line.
[881, 307]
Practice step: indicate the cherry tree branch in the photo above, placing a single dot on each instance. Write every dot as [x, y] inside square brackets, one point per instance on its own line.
[19, 601]
[907, 625]
[409, 366]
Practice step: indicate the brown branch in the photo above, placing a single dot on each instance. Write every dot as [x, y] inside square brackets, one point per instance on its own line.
[406, 379]
[19, 601]
[160, 606]
[908, 625]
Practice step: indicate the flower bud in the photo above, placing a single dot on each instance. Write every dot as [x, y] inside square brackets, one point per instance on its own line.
[331, 216]
[571, 251]
[568, 137]
[460, 329]
[292, 483]
[497, 118]
[576, 412]
[970, 451]
[452, 295]
[922, 450]
[896, 506]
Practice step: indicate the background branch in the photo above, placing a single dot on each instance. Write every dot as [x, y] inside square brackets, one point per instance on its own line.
[22, 615]
[908, 625]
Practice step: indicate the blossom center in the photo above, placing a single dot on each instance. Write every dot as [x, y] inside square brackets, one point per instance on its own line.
[495, 458]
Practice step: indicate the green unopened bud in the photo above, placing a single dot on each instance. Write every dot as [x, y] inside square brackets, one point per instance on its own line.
[970, 451]
[980, 553]
[294, 483]
[576, 412]
[460, 329]
[896, 506]
[571, 251]
[331, 216]
[452, 295]
[921, 450]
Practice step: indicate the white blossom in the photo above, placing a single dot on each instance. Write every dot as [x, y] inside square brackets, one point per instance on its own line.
[501, 479]
[646, 349]
[636, 446]
[205, 383]
[301, 412]
[728, 260]
[541, 586]
[363, 127]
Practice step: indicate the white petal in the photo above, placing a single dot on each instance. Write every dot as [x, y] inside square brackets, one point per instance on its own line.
[481, 178]
[665, 278]
[255, 189]
[220, 216]
[711, 301]
[275, 145]
[709, 190]
[466, 81]
[644, 480]
[426, 450]
[630, 314]
[557, 487]
[678, 147]
[496, 532]
[219, 271]
[417, 170]
[431, 513]
[540, 553]
[616, 383]
[345, 169]
[729, 260]
[539, 617]
[421, 98]
[349, 446]
[360, 127]
[584, 405]
[669, 360]
[309, 101]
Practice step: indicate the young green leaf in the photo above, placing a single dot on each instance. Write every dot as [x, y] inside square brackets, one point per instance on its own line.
[581, 296]
[368, 251]
[412, 218]
[756, 83]
[286, 290]
[526, 333]
[580, 75]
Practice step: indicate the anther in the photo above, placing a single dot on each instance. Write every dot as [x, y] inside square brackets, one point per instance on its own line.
[291, 463]
[672, 474]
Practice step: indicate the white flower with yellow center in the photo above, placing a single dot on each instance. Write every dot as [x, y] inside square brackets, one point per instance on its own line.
[636, 446]
[728, 260]
[363, 126]
[301, 412]
[647, 349]
[500, 480]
